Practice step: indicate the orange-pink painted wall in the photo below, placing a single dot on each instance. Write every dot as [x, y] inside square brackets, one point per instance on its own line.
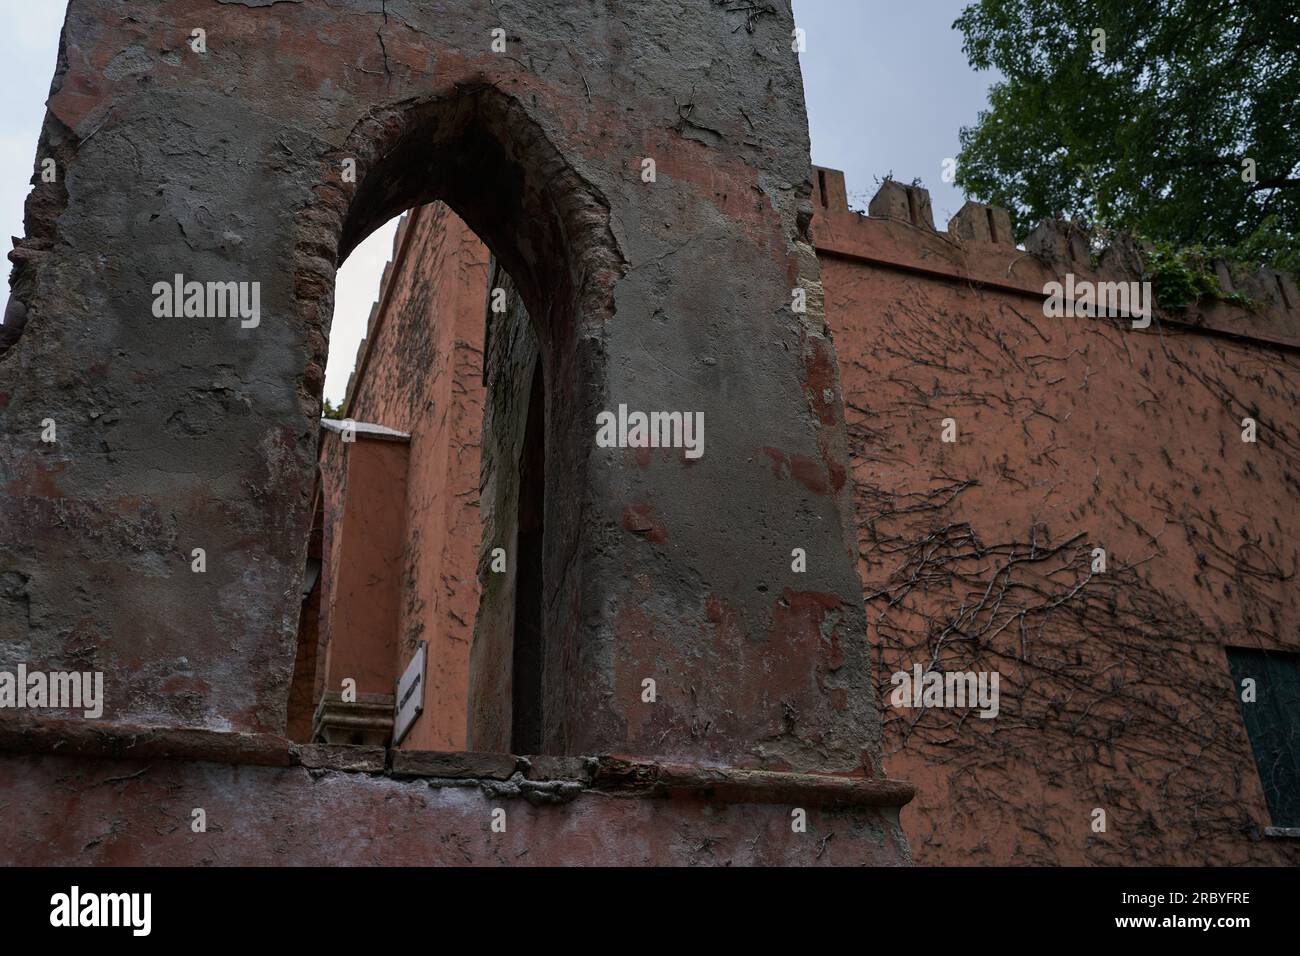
[362, 591]
[1071, 434]
[420, 371]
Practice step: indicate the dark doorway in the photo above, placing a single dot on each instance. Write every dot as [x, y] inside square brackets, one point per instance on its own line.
[526, 720]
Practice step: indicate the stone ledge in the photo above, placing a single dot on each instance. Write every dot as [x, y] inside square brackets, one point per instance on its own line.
[543, 767]
[73, 738]
[734, 785]
[345, 758]
[453, 765]
[365, 430]
[613, 776]
[88, 812]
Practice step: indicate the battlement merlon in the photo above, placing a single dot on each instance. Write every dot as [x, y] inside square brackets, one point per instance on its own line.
[979, 248]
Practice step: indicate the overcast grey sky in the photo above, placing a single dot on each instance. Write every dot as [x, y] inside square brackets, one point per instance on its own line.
[886, 83]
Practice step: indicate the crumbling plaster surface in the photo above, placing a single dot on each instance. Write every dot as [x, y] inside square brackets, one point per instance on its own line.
[177, 434]
[93, 799]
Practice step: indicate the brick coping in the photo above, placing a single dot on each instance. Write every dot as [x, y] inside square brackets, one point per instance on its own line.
[611, 775]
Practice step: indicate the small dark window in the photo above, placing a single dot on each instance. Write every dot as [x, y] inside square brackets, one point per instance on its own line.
[1273, 725]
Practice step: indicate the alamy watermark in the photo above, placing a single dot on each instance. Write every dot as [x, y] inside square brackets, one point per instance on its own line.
[651, 430]
[956, 689]
[208, 300]
[75, 908]
[1083, 297]
[56, 690]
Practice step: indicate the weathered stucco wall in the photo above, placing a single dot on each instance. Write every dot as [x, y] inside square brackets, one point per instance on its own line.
[419, 371]
[176, 433]
[977, 555]
[232, 165]
[131, 800]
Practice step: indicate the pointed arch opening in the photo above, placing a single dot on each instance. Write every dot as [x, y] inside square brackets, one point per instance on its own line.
[482, 154]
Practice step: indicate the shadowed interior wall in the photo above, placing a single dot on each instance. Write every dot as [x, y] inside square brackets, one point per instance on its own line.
[513, 364]
[530, 595]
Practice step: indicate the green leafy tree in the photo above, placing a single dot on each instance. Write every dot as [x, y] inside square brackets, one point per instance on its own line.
[1145, 126]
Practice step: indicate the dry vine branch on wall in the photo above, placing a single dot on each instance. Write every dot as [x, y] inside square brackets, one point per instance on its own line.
[1095, 667]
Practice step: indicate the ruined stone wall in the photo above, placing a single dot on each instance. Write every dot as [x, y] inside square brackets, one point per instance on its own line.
[1071, 434]
[262, 160]
[90, 799]
[419, 371]
[259, 159]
